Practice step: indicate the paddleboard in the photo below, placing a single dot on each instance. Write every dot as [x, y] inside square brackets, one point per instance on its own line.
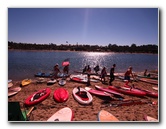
[97, 92]
[83, 97]
[51, 82]
[64, 114]
[107, 90]
[149, 118]
[9, 80]
[151, 81]
[26, 82]
[37, 97]
[128, 91]
[106, 116]
[61, 95]
[148, 92]
[10, 84]
[155, 88]
[81, 78]
[62, 82]
[13, 91]
[40, 80]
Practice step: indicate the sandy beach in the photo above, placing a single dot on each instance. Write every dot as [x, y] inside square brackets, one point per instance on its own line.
[88, 113]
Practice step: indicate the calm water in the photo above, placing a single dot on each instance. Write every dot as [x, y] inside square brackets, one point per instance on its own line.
[24, 64]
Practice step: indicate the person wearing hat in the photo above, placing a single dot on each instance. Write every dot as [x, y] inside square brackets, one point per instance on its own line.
[112, 77]
[56, 70]
[127, 74]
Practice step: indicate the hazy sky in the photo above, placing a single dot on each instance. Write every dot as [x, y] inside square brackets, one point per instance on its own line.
[101, 26]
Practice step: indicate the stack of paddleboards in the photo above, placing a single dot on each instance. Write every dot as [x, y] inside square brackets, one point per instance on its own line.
[81, 78]
[10, 84]
[12, 90]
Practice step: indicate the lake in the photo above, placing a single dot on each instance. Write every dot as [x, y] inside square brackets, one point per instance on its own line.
[24, 64]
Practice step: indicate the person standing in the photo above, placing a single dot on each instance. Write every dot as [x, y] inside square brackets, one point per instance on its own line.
[103, 74]
[88, 75]
[127, 75]
[96, 69]
[66, 69]
[112, 77]
[56, 71]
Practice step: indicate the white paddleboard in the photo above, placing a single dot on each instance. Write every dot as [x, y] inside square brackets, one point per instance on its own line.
[155, 88]
[64, 114]
[149, 118]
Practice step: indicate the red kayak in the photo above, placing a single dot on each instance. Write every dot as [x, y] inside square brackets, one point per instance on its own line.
[61, 95]
[128, 91]
[148, 92]
[37, 97]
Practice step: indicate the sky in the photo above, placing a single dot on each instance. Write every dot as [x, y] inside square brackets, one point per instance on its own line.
[93, 26]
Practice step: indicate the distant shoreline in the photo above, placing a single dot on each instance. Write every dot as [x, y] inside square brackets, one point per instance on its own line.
[80, 51]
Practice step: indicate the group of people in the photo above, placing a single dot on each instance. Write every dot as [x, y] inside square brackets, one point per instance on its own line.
[87, 70]
[103, 74]
[57, 70]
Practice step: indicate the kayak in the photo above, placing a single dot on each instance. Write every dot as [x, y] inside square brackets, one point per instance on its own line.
[13, 91]
[128, 91]
[37, 97]
[26, 82]
[41, 74]
[10, 84]
[51, 82]
[62, 82]
[106, 116]
[82, 96]
[61, 95]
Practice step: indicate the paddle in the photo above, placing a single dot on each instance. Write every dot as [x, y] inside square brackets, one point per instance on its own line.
[129, 102]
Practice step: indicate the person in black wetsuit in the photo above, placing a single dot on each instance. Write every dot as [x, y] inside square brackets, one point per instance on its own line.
[112, 77]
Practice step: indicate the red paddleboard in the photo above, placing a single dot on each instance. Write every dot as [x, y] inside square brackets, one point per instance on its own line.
[61, 95]
[63, 115]
[107, 90]
[148, 92]
[97, 92]
[128, 91]
[151, 81]
[34, 99]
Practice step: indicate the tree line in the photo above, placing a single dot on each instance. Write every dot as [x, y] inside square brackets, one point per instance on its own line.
[78, 47]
